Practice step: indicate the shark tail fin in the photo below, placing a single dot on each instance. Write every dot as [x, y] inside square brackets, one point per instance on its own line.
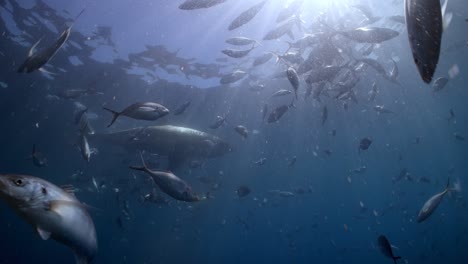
[115, 115]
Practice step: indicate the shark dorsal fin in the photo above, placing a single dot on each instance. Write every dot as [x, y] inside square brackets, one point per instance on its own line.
[42, 233]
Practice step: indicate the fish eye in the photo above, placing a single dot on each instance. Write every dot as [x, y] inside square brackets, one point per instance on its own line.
[19, 182]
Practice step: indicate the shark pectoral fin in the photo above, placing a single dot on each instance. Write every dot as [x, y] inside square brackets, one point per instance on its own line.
[42, 233]
[175, 161]
[80, 259]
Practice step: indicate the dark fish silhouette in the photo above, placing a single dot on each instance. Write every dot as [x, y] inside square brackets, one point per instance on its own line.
[364, 144]
[386, 248]
[243, 191]
[197, 4]
[424, 25]
[246, 16]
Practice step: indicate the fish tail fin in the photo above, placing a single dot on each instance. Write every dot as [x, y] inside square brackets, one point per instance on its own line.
[456, 187]
[143, 163]
[115, 115]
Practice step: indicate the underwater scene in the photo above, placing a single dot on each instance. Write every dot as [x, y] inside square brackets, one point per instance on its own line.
[233, 131]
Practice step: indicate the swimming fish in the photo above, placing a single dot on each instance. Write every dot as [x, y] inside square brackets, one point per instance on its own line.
[246, 16]
[36, 60]
[431, 205]
[293, 79]
[386, 248]
[54, 212]
[142, 111]
[197, 4]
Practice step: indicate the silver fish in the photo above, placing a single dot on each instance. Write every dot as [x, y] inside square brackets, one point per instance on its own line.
[232, 77]
[237, 53]
[431, 205]
[36, 60]
[262, 59]
[242, 130]
[241, 41]
[246, 16]
[293, 79]
[142, 111]
[382, 110]
[370, 34]
[54, 213]
[439, 84]
[424, 26]
[170, 184]
[281, 92]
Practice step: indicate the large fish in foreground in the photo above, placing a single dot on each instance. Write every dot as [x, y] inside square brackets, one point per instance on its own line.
[36, 60]
[54, 213]
[431, 205]
[424, 24]
[142, 111]
[177, 143]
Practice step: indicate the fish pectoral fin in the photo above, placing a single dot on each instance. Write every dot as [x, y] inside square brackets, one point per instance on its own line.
[42, 233]
[32, 50]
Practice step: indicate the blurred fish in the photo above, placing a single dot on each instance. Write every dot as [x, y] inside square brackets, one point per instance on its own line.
[285, 28]
[452, 116]
[197, 4]
[373, 92]
[36, 60]
[292, 161]
[439, 84]
[169, 183]
[431, 205]
[232, 77]
[181, 109]
[261, 161]
[370, 34]
[242, 130]
[262, 59]
[386, 248]
[39, 159]
[246, 16]
[71, 94]
[241, 41]
[458, 136]
[237, 53]
[364, 144]
[220, 120]
[293, 79]
[281, 92]
[141, 111]
[382, 109]
[243, 191]
[324, 114]
[54, 213]
[85, 150]
[424, 25]
[278, 112]
[291, 10]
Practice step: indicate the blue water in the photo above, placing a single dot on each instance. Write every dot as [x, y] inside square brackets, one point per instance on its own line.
[142, 53]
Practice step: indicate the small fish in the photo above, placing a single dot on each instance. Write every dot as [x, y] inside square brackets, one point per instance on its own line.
[439, 84]
[232, 77]
[141, 111]
[39, 159]
[293, 79]
[292, 161]
[281, 92]
[458, 137]
[181, 109]
[85, 150]
[373, 92]
[169, 183]
[324, 115]
[220, 120]
[246, 16]
[261, 161]
[262, 59]
[54, 212]
[198, 4]
[242, 130]
[241, 41]
[431, 205]
[237, 53]
[382, 110]
[36, 60]
[386, 248]
[364, 144]
[278, 112]
[452, 116]
[243, 191]
[293, 9]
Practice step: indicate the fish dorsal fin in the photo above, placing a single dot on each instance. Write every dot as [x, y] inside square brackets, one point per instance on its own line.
[42, 233]
[32, 50]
